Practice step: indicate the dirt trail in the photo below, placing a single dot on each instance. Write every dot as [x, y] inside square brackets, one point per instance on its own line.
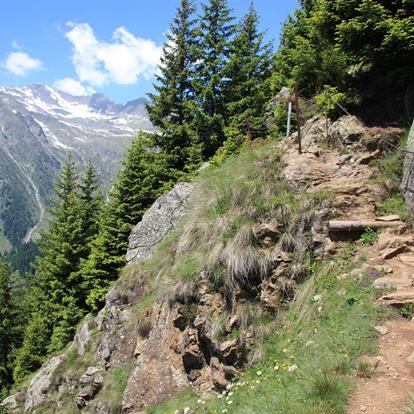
[388, 392]
[390, 389]
[349, 177]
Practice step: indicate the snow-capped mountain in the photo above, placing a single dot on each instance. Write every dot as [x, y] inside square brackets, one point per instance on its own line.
[39, 126]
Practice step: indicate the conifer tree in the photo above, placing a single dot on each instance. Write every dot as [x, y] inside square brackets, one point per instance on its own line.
[33, 351]
[90, 204]
[248, 70]
[56, 300]
[216, 32]
[143, 178]
[9, 324]
[172, 108]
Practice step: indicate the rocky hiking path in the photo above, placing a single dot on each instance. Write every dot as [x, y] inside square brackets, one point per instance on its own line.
[391, 386]
[347, 175]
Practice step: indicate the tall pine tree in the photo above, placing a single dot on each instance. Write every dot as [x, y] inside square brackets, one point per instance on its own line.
[56, 297]
[10, 325]
[172, 108]
[144, 177]
[249, 69]
[216, 32]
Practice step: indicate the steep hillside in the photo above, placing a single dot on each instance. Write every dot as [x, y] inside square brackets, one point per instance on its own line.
[39, 127]
[237, 292]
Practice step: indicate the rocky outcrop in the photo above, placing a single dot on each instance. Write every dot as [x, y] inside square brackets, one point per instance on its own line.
[407, 185]
[346, 173]
[157, 222]
[41, 383]
[158, 370]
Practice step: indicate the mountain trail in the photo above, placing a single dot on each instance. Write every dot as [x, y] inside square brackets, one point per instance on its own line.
[355, 193]
[391, 386]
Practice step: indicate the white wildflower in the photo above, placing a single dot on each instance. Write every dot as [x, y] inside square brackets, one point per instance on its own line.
[292, 368]
[230, 393]
[229, 402]
[186, 410]
[320, 309]
[316, 298]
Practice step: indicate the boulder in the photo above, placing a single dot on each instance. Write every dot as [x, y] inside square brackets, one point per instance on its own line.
[161, 217]
[347, 130]
[400, 280]
[83, 336]
[393, 252]
[42, 382]
[407, 185]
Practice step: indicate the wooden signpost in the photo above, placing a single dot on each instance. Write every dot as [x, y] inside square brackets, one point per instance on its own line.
[285, 96]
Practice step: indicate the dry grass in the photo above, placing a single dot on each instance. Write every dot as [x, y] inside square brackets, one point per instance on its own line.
[218, 238]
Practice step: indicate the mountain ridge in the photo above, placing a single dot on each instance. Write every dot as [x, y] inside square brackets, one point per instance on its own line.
[39, 126]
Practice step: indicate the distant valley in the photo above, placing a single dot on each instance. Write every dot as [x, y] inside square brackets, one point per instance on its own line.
[39, 126]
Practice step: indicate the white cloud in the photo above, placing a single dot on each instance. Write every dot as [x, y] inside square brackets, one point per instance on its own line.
[21, 63]
[122, 61]
[73, 87]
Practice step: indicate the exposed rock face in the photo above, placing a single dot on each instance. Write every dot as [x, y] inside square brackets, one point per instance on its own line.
[158, 370]
[157, 222]
[407, 185]
[347, 130]
[347, 176]
[41, 383]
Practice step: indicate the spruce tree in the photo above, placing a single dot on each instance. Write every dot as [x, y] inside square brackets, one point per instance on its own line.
[172, 108]
[216, 32]
[34, 349]
[56, 300]
[9, 325]
[90, 204]
[249, 69]
[144, 177]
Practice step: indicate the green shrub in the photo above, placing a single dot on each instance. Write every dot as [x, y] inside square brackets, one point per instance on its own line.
[330, 100]
[394, 204]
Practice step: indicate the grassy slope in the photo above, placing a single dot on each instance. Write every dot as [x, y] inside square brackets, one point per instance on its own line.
[309, 365]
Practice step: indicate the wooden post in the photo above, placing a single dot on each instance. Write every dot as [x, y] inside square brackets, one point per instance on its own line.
[296, 101]
[289, 118]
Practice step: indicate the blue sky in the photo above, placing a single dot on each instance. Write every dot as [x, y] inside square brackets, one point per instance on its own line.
[107, 46]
